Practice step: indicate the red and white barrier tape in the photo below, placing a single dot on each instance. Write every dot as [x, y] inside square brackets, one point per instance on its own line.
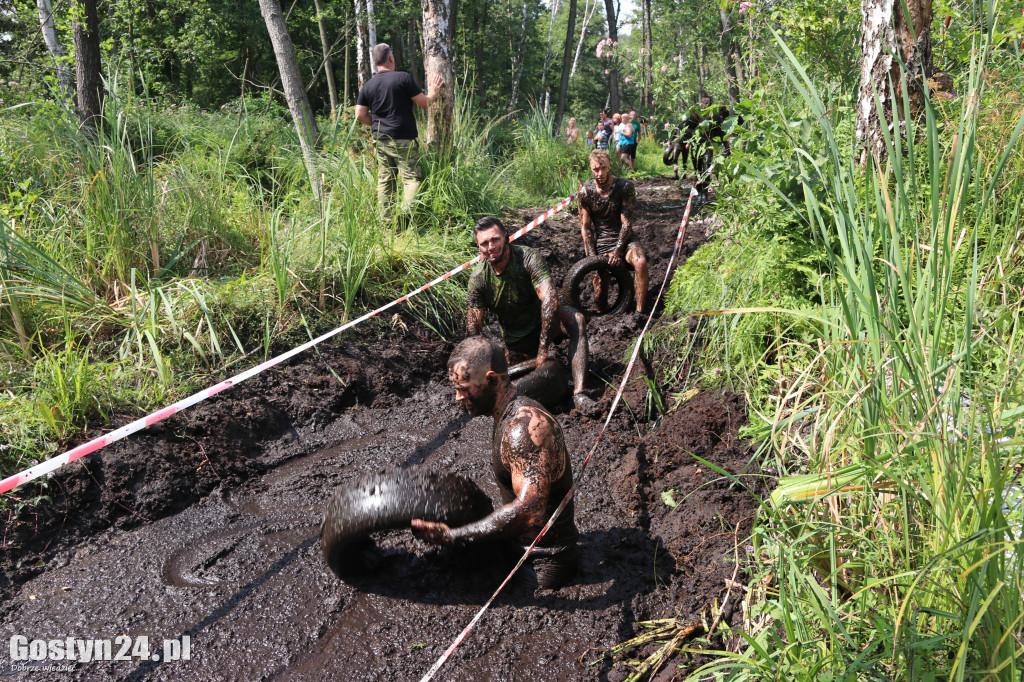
[568, 496]
[58, 461]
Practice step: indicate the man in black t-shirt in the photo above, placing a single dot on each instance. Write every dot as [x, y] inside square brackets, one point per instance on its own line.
[385, 104]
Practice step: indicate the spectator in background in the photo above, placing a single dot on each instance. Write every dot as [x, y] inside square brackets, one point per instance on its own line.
[385, 104]
[628, 134]
[637, 123]
[572, 133]
[616, 129]
[590, 139]
[603, 131]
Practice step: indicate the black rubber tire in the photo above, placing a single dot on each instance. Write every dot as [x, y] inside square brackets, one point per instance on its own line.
[391, 499]
[622, 275]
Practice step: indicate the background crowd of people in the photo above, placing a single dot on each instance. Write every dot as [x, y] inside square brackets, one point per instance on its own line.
[619, 132]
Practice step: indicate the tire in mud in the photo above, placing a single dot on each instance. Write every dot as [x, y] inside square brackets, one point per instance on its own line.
[577, 281]
[548, 384]
[391, 499]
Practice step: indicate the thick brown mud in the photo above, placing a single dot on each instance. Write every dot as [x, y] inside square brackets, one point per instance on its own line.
[206, 525]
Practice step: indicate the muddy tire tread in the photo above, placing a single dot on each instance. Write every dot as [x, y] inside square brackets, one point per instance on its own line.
[622, 275]
[391, 499]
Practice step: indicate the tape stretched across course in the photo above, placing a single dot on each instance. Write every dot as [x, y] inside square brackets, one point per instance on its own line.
[568, 496]
[58, 461]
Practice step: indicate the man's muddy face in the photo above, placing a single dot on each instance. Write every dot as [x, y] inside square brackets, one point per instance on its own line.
[602, 171]
[472, 390]
[492, 244]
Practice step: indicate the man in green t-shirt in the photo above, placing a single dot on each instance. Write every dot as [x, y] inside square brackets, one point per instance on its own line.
[513, 283]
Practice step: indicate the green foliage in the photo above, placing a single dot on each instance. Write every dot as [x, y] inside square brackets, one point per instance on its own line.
[892, 552]
[542, 167]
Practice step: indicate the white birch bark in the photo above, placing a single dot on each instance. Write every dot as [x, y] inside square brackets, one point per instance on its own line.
[64, 80]
[588, 14]
[886, 30]
[371, 32]
[362, 48]
[517, 76]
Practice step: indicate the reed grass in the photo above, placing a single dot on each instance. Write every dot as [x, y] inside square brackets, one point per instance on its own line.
[891, 551]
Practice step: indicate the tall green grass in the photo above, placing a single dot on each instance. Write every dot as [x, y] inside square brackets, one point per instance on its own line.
[136, 263]
[889, 549]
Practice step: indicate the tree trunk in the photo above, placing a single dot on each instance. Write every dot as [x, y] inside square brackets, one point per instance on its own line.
[613, 77]
[362, 49]
[415, 60]
[885, 31]
[517, 76]
[697, 68]
[291, 81]
[648, 61]
[371, 32]
[547, 45]
[332, 88]
[437, 54]
[733, 65]
[89, 82]
[563, 85]
[478, 53]
[64, 81]
[588, 14]
[348, 56]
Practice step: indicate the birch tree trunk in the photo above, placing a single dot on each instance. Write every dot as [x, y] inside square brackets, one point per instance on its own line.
[588, 14]
[362, 48]
[563, 84]
[65, 82]
[371, 33]
[648, 61]
[291, 81]
[613, 77]
[518, 74]
[886, 30]
[348, 55]
[547, 45]
[733, 65]
[89, 82]
[480, 23]
[437, 55]
[332, 88]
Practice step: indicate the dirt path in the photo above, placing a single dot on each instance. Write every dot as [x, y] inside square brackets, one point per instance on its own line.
[206, 525]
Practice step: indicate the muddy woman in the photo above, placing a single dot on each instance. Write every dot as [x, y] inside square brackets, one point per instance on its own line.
[531, 466]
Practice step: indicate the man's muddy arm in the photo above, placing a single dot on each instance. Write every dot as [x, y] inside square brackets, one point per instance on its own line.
[626, 231]
[530, 451]
[548, 319]
[587, 230]
[474, 322]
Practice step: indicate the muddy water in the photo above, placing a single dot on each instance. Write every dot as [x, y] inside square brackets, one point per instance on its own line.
[241, 573]
[208, 527]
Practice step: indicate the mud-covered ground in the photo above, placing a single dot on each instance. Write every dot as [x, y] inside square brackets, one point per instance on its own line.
[206, 524]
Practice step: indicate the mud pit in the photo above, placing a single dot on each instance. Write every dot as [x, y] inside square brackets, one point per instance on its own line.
[206, 524]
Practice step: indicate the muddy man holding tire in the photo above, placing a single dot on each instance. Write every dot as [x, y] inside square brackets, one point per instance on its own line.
[607, 204]
[513, 282]
[531, 466]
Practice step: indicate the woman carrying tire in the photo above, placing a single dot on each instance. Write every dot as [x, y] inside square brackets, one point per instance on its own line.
[607, 204]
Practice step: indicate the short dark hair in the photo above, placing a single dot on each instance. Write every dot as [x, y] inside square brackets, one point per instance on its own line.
[486, 223]
[380, 53]
[479, 351]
